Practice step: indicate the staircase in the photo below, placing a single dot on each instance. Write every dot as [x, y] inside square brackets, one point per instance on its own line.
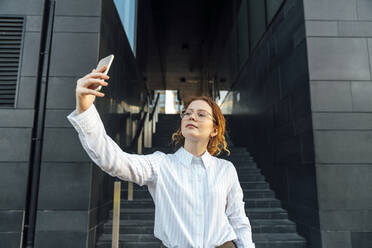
[271, 227]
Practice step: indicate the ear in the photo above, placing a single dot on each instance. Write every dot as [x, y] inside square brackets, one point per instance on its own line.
[214, 133]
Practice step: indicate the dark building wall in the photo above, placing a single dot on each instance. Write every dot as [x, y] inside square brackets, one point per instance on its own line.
[16, 125]
[271, 116]
[64, 217]
[74, 195]
[339, 38]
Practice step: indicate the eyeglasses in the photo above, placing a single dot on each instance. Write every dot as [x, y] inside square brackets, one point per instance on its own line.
[202, 115]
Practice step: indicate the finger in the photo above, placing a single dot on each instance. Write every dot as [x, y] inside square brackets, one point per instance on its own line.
[94, 81]
[97, 75]
[85, 91]
[102, 69]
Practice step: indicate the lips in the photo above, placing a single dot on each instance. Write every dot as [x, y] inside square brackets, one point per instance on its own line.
[190, 125]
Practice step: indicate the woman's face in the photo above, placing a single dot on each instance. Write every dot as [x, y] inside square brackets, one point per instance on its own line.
[196, 127]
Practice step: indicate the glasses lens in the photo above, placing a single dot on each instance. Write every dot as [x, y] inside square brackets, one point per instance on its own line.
[201, 115]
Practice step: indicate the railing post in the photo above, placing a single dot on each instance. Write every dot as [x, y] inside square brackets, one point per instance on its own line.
[147, 132]
[128, 131]
[130, 184]
[140, 143]
[116, 215]
[155, 118]
[130, 191]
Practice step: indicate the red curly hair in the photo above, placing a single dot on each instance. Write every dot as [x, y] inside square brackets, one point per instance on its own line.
[217, 143]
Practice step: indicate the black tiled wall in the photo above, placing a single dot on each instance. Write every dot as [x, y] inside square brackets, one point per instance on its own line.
[338, 34]
[271, 116]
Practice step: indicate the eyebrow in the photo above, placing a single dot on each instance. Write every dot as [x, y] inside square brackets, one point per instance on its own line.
[199, 109]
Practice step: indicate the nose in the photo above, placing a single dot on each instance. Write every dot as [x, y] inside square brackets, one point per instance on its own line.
[192, 116]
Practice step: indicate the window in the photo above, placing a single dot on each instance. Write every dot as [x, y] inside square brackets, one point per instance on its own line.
[127, 10]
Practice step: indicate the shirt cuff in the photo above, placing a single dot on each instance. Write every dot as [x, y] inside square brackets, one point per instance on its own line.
[86, 121]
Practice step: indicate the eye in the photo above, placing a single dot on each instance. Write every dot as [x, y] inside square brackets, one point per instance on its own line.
[187, 113]
[202, 114]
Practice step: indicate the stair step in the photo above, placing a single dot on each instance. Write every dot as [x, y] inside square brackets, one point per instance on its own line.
[266, 213]
[262, 203]
[247, 170]
[249, 203]
[124, 186]
[261, 240]
[258, 226]
[143, 203]
[254, 185]
[243, 164]
[107, 244]
[272, 226]
[257, 237]
[258, 193]
[252, 213]
[249, 177]
[130, 229]
[127, 238]
[248, 193]
[278, 240]
[138, 194]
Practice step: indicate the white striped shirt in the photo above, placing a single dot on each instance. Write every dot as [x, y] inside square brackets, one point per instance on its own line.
[198, 201]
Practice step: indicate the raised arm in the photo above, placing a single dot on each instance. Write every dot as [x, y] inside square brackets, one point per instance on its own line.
[236, 213]
[140, 169]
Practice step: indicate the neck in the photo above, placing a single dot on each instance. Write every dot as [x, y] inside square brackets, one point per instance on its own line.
[196, 148]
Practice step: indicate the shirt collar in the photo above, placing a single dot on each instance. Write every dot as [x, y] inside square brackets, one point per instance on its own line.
[185, 157]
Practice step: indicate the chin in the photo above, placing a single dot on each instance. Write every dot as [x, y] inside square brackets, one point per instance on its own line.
[194, 138]
[190, 136]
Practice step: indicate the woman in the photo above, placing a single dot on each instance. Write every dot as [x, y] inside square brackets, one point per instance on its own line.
[198, 198]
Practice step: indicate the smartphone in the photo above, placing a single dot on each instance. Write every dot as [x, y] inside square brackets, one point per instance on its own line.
[105, 61]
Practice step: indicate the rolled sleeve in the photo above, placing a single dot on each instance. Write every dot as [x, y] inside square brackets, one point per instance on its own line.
[235, 212]
[140, 169]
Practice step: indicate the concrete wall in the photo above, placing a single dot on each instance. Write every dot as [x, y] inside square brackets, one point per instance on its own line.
[339, 38]
[272, 117]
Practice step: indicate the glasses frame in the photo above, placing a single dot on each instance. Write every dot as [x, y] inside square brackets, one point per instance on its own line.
[197, 117]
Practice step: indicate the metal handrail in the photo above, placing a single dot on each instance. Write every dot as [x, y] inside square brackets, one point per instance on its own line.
[142, 122]
[139, 129]
[154, 108]
[117, 186]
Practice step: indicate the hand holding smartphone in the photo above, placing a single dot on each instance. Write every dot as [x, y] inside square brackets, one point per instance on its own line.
[105, 61]
[86, 89]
